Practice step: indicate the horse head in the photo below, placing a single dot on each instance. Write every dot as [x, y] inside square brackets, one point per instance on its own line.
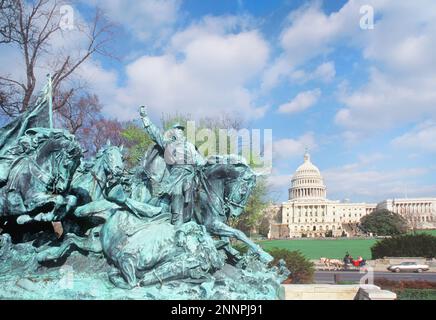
[109, 162]
[237, 191]
[238, 181]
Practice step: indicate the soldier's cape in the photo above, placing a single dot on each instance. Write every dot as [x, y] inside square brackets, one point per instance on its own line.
[35, 116]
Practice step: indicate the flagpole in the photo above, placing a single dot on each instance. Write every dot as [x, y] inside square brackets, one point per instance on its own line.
[50, 101]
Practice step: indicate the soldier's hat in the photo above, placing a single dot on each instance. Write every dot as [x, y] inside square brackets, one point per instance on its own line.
[178, 126]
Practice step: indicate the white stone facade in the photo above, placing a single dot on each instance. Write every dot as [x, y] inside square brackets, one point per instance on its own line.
[308, 212]
[420, 212]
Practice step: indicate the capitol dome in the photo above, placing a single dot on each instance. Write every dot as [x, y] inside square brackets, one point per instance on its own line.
[307, 182]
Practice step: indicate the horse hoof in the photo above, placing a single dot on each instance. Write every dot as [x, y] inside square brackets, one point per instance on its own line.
[24, 219]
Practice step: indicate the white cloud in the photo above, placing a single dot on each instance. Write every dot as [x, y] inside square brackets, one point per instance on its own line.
[422, 138]
[301, 102]
[145, 19]
[399, 51]
[204, 72]
[387, 101]
[400, 89]
[357, 182]
[289, 148]
[325, 72]
[278, 183]
[310, 33]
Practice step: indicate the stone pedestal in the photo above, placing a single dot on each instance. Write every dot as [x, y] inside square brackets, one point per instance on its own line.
[335, 292]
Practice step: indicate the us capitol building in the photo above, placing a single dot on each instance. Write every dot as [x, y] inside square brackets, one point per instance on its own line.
[308, 212]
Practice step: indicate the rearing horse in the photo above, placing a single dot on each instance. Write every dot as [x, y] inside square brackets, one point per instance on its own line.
[98, 188]
[92, 179]
[226, 183]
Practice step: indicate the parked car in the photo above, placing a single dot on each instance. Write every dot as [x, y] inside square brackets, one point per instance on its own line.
[408, 267]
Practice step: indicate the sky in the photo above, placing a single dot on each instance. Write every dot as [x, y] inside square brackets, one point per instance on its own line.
[360, 96]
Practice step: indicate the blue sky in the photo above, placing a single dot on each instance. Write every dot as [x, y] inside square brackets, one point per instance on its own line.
[362, 100]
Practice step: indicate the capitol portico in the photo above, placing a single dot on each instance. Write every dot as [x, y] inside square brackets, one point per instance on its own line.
[308, 212]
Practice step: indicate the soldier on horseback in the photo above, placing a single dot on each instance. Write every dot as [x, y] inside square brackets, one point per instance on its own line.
[183, 161]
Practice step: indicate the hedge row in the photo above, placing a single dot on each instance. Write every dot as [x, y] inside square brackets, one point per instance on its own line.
[409, 245]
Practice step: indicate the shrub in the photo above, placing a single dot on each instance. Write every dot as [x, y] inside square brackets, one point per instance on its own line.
[416, 294]
[383, 223]
[404, 284]
[302, 269]
[409, 245]
[409, 289]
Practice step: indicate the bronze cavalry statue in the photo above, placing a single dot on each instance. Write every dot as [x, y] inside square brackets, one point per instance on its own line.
[162, 223]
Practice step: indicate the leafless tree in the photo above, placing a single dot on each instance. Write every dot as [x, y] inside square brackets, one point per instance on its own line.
[412, 218]
[99, 132]
[79, 112]
[31, 27]
[6, 22]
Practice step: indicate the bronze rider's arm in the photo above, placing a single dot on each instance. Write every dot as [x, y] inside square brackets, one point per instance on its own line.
[151, 129]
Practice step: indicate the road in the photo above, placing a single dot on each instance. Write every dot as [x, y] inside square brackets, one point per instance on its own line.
[328, 276]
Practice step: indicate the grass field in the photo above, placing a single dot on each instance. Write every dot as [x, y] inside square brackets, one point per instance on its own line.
[331, 248]
[315, 249]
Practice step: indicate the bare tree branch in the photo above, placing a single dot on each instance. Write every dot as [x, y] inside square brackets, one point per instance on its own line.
[31, 27]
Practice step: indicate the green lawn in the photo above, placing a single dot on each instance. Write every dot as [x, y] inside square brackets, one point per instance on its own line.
[315, 249]
[331, 248]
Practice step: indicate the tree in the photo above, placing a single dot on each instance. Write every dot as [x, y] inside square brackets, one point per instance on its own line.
[263, 226]
[31, 27]
[136, 142]
[79, 113]
[253, 215]
[383, 223]
[100, 132]
[302, 269]
[408, 245]
[413, 219]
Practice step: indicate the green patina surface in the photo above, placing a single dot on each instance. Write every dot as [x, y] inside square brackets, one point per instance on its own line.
[159, 231]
